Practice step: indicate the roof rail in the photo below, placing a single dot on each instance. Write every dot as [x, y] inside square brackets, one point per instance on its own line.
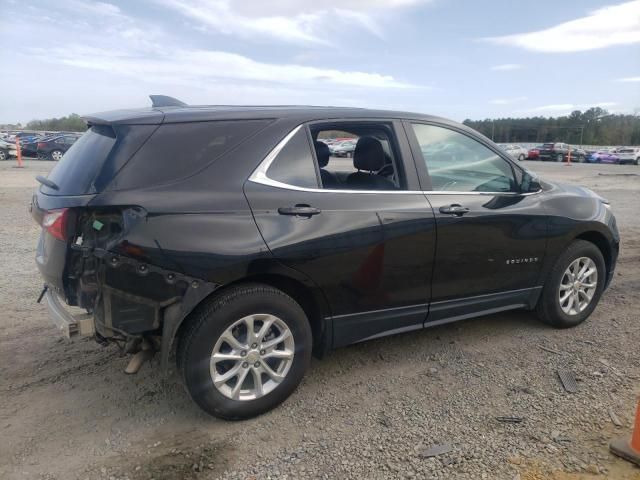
[165, 101]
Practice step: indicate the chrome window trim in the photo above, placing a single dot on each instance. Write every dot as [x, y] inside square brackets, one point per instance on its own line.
[259, 175]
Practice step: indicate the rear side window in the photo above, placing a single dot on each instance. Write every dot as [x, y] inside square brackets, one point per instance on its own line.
[82, 162]
[178, 150]
[294, 164]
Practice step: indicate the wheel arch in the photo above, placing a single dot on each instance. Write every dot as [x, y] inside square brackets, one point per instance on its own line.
[310, 299]
[603, 244]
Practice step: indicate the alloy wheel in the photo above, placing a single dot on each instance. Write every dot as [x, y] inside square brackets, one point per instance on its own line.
[56, 155]
[252, 357]
[578, 285]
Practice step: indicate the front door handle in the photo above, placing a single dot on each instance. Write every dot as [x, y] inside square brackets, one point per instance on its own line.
[454, 209]
[299, 210]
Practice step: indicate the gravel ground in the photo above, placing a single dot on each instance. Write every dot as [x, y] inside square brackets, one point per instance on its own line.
[373, 410]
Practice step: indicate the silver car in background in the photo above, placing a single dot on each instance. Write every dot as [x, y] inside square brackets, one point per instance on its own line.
[516, 152]
[629, 155]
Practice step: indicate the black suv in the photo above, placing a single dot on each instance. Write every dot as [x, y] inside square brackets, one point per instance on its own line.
[233, 235]
[559, 152]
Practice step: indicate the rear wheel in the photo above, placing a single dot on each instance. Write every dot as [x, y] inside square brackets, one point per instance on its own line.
[3, 155]
[581, 159]
[559, 157]
[245, 351]
[521, 157]
[56, 155]
[573, 287]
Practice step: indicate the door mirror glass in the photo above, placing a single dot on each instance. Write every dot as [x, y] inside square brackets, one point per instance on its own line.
[530, 183]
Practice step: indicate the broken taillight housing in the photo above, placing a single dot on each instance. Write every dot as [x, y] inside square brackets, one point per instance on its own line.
[55, 222]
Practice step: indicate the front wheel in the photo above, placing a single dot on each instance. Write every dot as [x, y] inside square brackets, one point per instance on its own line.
[56, 155]
[521, 157]
[3, 155]
[573, 287]
[245, 351]
[559, 157]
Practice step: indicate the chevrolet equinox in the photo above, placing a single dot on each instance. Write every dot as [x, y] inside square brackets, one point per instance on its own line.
[231, 236]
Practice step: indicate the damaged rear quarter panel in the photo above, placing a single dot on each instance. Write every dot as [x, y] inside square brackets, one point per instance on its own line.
[154, 267]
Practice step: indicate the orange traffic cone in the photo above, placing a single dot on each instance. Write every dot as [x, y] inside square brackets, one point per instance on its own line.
[18, 154]
[629, 449]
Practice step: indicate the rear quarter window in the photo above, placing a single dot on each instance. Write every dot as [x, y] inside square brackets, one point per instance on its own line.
[294, 164]
[178, 150]
[74, 174]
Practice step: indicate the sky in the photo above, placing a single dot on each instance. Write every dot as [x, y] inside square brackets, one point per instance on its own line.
[454, 58]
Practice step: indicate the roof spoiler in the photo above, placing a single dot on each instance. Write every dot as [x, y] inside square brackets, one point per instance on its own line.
[165, 101]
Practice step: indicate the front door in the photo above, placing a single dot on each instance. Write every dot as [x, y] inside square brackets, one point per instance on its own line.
[368, 242]
[491, 237]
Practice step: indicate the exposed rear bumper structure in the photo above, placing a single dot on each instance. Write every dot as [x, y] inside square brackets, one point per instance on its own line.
[70, 325]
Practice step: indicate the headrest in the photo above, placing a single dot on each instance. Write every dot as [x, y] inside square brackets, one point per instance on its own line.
[369, 154]
[322, 152]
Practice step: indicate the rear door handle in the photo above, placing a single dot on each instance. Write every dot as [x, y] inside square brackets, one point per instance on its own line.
[299, 210]
[454, 209]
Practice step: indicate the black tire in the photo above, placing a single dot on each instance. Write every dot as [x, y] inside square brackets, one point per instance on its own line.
[3, 155]
[637, 162]
[581, 159]
[521, 157]
[53, 154]
[559, 158]
[548, 308]
[205, 326]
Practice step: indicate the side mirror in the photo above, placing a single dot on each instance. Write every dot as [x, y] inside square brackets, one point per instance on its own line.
[530, 183]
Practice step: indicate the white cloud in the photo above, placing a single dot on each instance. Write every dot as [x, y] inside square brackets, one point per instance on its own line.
[193, 67]
[505, 67]
[507, 101]
[566, 108]
[605, 27]
[629, 79]
[294, 21]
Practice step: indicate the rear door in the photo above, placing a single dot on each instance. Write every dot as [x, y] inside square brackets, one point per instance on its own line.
[491, 237]
[370, 251]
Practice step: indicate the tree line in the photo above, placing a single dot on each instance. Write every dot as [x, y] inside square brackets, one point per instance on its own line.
[595, 126]
[72, 123]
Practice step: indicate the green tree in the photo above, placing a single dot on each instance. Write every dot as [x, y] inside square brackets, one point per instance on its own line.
[595, 126]
[72, 123]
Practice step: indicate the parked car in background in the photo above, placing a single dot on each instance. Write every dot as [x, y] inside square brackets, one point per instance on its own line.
[515, 151]
[603, 156]
[53, 148]
[629, 155]
[578, 155]
[555, 152]
[343, 149]
[7, 150]
[29, 146]
[534, 153]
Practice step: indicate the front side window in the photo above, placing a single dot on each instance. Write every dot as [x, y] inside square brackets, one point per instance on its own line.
[294, 163]
[459, 163]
